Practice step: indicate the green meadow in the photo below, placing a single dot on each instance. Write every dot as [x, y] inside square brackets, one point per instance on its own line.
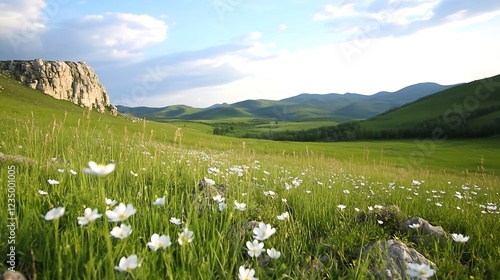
[453, 184]
[245, 127]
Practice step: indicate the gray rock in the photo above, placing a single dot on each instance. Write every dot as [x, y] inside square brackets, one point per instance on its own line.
[16, 158]
[66, 80]
[207, 190]
[12, 275]
[425, 228]
[203, 193]
[391, 216]
[390, 259]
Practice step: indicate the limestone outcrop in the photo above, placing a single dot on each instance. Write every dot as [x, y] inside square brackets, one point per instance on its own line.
[72, 81]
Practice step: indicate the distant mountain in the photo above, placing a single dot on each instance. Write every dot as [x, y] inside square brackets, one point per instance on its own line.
[469, 105]
[303, 107]
[470, 110]
[159, 114]
[217, 105]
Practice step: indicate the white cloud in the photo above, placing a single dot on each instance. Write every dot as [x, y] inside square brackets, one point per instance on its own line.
[457, 16]
[423, 10]
[258, 49]
[16, 15]
[459, 19]
[380, 64]
[173, 77]
[102, 38]
[98, 37]
[330, 11]
[253, 47]
[408, 49]
[252, 36]
[122, 33]
[21, 22]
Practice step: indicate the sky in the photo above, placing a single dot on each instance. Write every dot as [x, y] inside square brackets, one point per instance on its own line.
[202, 52]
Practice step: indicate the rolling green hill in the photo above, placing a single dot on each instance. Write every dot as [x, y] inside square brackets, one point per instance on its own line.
[22, 107]
[170, 112]
[465, 111]
[67, 127]
[300, 108]
[475, 103]
[46, 145]
[221, 112]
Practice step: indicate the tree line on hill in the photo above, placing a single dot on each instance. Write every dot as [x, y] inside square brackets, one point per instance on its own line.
[230, 127]
[454, 126]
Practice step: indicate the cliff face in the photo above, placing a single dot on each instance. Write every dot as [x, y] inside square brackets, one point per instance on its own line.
[72, 81]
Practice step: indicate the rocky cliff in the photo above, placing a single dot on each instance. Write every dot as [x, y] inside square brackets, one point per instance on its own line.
[72, 81]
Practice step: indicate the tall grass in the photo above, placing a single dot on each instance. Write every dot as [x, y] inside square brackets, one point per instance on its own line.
[318, 241]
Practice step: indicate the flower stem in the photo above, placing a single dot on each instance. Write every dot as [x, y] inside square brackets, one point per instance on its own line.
[107, 237]
[58, 250]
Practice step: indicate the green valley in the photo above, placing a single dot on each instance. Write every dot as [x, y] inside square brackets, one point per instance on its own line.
[314, 196]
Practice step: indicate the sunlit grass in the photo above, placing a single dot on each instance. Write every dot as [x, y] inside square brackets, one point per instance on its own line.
[317, 240]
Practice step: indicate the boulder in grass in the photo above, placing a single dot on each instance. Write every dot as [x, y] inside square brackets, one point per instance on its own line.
[391, 259]
[420, 228]
[12, 275]
[207, 188]
[202, 194]
[391, 217]
[424, 226]
[17, 159]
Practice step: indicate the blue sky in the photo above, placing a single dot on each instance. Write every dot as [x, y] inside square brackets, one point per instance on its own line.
[159, 53]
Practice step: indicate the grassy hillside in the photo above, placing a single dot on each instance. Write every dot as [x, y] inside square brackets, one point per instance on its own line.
[366, 109]
[21, 107]
[253, 106]
[454, 105]
[159, 114]
[412, 92]
[171, 112]
[221, 112]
